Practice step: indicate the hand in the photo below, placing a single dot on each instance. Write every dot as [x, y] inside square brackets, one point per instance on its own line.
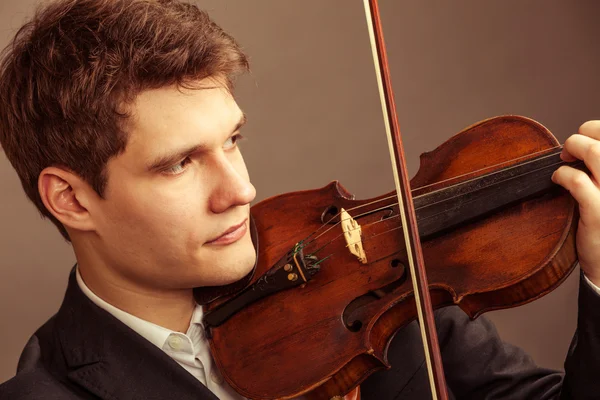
[586, 190]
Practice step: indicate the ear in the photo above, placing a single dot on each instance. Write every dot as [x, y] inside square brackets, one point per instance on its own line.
[67, 197]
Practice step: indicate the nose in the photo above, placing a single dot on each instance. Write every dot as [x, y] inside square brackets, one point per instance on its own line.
[232, 186]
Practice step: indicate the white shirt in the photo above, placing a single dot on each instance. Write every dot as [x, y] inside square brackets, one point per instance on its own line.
[596, 288]
[190, 350]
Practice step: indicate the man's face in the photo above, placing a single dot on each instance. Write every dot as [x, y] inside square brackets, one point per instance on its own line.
[176, 191]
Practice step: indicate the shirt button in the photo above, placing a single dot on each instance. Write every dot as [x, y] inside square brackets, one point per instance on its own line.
[216, 377]
[175, 342]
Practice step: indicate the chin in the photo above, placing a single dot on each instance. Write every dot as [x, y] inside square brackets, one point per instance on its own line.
[245, 259]
[242, 269]
[229, 270]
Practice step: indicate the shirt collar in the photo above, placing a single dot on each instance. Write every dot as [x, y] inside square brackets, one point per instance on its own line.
[155, 334]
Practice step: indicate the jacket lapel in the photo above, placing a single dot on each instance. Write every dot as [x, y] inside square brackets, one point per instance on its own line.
[112, 361]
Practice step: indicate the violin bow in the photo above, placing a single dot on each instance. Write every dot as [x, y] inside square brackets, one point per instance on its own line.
[405, 206]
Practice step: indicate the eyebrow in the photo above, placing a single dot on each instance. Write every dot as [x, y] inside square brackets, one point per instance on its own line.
[167, 160]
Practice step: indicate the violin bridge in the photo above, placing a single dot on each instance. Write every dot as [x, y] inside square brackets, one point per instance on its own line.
[353, 236]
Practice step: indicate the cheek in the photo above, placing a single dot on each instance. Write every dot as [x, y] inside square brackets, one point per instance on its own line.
[157, 215]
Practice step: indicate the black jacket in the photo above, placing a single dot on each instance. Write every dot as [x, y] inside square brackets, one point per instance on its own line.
[83, 352]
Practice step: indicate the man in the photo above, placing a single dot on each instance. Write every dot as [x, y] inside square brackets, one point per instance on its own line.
[119, 120]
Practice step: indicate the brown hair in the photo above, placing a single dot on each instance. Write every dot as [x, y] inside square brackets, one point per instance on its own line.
[70, 70]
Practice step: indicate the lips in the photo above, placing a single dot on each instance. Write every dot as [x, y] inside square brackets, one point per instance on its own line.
[231, 235]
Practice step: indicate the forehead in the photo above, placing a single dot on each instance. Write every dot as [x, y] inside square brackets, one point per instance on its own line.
[171, 117]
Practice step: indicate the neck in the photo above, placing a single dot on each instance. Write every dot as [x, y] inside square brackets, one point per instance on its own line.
[171, 309]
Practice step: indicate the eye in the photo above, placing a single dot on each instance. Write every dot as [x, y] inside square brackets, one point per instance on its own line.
[232, 141]
[178, 168]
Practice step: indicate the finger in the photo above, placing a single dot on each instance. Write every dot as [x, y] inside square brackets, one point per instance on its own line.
[590, 129]
[586, 149]
[566, 156]
[579, 184]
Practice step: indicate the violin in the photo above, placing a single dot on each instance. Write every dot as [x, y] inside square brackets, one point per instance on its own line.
[481, 226]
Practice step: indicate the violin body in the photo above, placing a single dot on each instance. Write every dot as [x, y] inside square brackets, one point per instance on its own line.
[321, 339]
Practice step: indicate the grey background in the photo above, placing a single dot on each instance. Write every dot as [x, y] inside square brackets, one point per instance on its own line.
[314, 117]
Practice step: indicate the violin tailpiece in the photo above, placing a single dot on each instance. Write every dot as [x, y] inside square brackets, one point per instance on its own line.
[293, 269]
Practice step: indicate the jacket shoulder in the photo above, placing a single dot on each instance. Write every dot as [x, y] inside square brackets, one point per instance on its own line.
[34, 385]
[34, 379]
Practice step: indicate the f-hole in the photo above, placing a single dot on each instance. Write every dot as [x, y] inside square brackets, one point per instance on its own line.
[354, 324]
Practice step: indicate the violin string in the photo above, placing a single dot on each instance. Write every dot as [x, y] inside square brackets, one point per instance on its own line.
[434, 191]
[435, 215]
[416, 197]
[491, 173]
[495, 183]
[551, 153]
[350, 230]
[364, 240]
[343, 220]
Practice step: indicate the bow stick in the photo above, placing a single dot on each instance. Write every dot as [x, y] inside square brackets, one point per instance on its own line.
[405, 205]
